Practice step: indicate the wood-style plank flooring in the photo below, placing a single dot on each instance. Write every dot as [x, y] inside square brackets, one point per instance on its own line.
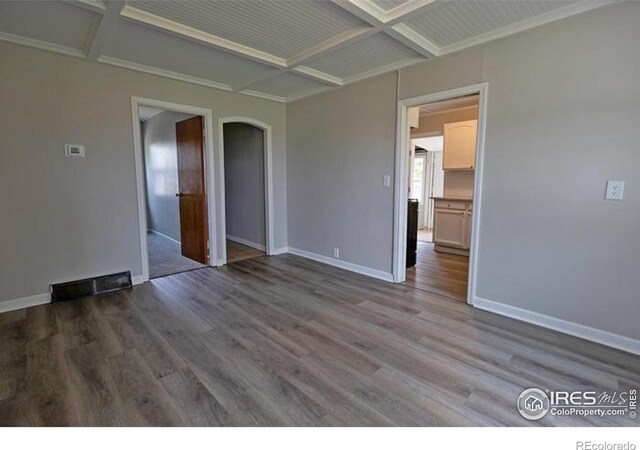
[239, 252]
[286, 341]
[441, 273]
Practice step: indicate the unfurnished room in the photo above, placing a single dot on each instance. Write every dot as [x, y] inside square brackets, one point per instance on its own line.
[321, 213]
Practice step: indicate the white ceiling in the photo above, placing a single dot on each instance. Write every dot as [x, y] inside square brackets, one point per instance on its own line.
[277, 49]
[454, 103]
[147, 112]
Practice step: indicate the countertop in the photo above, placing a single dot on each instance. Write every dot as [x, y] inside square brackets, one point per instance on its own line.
[451, 198]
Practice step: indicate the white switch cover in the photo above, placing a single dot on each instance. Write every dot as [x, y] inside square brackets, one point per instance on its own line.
[615, 190]
[336, 253]
[386, 180]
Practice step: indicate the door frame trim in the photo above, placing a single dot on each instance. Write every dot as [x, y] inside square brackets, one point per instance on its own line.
[209, 173]
[401, 179]
[268, 179]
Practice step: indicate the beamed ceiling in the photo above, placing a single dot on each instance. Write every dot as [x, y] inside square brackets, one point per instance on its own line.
[280, 50]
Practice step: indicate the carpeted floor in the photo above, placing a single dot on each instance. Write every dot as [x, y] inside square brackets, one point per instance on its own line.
[165, 258]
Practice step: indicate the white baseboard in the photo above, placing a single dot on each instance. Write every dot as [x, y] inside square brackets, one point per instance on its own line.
[280, 251]
[24, 302]
[164, 236]
[374, 273]
[247, 243]
[574, 329]
[138, 279]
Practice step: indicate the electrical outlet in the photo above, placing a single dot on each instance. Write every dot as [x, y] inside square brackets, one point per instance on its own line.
[615, 190]
[336, 253]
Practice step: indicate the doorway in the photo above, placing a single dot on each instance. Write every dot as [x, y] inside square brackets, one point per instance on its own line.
[173, 148]
[427, 181]
[245, 149]
[244, 191]
[439, 154]
[173, 187]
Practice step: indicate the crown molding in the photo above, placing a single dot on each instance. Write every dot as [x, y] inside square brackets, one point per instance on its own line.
[163, 73]
[263, 95]
[376, 20]
[383, 69]
[311, 93]
[22, 40]
[319, 76]
[186, 78]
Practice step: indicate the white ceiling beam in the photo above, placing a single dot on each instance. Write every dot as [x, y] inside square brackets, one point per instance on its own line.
[295, 63]
[334, 43]
[405, 11]
[201, 37]
[413, 40]
[391, 22]
[108, 23]
[97, 6]
[363, 10]
[375, 21]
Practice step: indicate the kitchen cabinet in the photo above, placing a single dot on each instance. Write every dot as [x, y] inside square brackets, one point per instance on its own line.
[459, 151]
[414, 117]
[452, 225]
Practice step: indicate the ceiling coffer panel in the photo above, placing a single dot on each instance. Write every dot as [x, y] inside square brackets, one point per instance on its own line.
[143, 45]
[288, 85]
[388, 5]
[362, 56]
[448, 22]
[55, 22]
[280, 28]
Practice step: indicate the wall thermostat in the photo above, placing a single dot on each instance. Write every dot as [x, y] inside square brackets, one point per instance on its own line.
[74, 150]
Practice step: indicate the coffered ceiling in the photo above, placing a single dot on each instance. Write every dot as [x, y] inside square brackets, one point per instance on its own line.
[277, 49]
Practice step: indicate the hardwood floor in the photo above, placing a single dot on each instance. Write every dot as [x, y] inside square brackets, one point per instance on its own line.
[440, 273]
[239, 252]
[286, 341]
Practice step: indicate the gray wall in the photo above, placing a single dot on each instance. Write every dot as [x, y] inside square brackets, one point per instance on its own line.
[65, 219]
[161, 171]
[563, 115]
[342, 145]
[244, 182]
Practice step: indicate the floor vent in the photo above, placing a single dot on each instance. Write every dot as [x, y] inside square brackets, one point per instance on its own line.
[91, 286]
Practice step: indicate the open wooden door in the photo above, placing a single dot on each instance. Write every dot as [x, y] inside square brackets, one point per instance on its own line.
[193, 203]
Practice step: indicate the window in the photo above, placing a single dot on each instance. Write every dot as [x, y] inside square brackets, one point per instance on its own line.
[419, 166]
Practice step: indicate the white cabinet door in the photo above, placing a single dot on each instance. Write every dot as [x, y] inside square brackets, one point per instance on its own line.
[467, 229]
[450, 228]
[460, 145]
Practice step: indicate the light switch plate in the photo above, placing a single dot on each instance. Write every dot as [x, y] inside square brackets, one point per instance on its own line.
[74, 150]
[615, 190]
[386, 180]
